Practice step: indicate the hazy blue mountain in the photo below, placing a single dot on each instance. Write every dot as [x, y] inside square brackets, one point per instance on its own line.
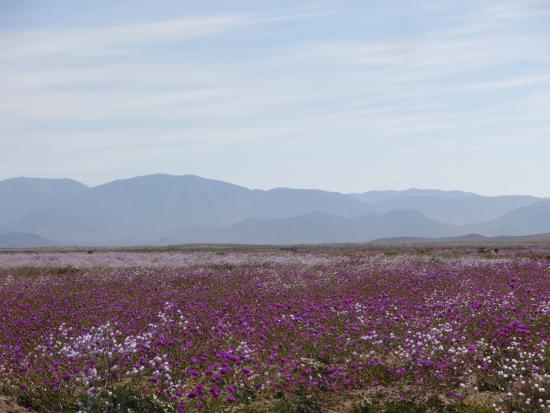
[21, 196]
[453, 207]
[377, 196]
[140, 209]
[285, 202]
[319, 227]
[22, 240]
[469, 239]
[532, 219]
[314, 227]
[172, 209]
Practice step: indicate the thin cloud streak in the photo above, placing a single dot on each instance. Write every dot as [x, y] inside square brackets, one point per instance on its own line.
[259, 78]
[113, 40]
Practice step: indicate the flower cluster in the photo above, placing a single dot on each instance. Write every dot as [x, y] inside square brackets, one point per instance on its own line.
[209, 336]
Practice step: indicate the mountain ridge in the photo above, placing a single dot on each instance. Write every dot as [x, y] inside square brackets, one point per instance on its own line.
[18, 240]
[157, 208]
[20, 196]
[454, 207]
[148, 207]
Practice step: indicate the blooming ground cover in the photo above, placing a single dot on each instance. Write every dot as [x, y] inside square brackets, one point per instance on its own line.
[277, 333]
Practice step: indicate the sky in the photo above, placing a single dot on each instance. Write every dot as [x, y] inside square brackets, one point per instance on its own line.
[347, 96]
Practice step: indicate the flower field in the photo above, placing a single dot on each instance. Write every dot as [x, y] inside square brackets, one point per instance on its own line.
[274, 332]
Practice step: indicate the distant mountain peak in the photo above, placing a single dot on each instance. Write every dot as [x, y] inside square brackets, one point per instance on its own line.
[190, 208]
[31, 180]
[23, 195]
[23, 240]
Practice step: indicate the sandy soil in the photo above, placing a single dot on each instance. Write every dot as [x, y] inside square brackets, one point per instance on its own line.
[10, 406]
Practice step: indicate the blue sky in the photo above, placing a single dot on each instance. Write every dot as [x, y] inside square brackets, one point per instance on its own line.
[346, 96]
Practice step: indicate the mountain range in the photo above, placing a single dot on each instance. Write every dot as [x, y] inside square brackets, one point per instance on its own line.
[167, 209]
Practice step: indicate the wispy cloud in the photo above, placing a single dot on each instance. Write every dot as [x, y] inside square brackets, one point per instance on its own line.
[113, 40]
[206, 82]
